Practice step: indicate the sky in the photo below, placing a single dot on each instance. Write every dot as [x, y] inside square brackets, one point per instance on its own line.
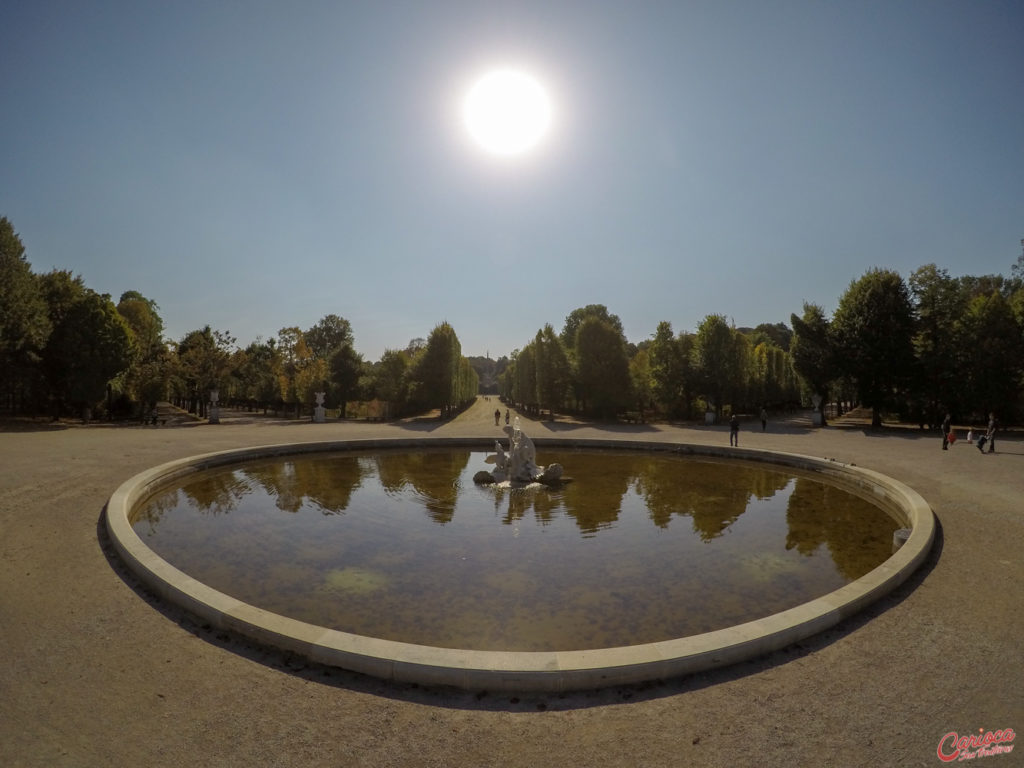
[258, 165]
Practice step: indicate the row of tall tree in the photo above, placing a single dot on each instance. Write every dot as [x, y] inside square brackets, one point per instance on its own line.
[590, 367]
[66, 348]
[917, 348]
[286, 372]
[920, 348]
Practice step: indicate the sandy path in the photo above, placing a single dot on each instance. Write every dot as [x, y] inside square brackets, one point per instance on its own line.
[96, 673]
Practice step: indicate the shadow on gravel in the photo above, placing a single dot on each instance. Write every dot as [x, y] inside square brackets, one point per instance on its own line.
[31, 425]
[501, 701]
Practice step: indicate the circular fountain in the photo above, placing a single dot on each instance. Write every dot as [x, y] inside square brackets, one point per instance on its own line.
[573, 665]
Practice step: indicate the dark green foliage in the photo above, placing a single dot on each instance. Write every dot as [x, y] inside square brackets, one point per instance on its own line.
[577, 316]
[671, 371]
[716, 360]
[602, 368]
[346, 367]
[90, 344]
[330, 334]
[873, 330]
[943, 344]
[441, 377]
[24, 322]
[813, 350]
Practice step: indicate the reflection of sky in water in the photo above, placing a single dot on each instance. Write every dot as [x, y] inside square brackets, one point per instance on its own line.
[638, 547]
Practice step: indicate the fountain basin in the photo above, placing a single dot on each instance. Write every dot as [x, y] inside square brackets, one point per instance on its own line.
[512, 670]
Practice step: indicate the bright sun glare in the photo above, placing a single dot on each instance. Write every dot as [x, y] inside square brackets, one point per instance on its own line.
[507, 112]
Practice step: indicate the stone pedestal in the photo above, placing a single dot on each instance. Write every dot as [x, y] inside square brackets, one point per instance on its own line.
[214, 408]
[709, 417]
[319, 412]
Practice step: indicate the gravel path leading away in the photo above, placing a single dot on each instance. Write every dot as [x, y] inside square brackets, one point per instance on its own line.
[96, 672]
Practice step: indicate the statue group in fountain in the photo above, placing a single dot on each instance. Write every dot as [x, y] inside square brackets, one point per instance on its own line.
[519, 463]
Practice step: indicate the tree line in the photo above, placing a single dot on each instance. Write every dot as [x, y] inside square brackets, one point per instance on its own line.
[916, 349]
[65, 348]
[591, 368]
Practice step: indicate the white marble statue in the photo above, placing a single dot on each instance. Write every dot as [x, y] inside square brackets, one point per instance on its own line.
[214, 415]
[519, 463]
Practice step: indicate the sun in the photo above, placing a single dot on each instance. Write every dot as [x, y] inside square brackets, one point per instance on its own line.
[507, 112]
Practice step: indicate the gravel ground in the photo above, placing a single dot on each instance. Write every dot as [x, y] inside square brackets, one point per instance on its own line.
[96, 672]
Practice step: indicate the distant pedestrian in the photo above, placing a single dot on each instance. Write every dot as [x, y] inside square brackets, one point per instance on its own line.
[764, 419]
[506, 417]
[734, 431]
[497, 416]
[947, 424]
[993, 425]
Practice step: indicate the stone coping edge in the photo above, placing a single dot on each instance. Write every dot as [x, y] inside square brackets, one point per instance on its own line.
[549, 671]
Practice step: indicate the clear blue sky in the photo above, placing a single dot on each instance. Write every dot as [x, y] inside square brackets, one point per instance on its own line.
[255, 165]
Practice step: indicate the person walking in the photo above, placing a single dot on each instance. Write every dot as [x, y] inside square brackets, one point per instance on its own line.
[506, 416]
[993, 424]
[497, 416]
[947, 424]
[764, 419]
[734, 431]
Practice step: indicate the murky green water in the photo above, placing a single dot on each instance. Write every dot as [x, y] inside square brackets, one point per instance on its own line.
[638, 548]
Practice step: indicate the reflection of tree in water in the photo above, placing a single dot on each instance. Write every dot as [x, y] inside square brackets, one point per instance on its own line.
[433, 474]
[712, 494]
[517, 502]
[277, 479]
[391, 472]
[330, 483]
[155, 509]
[858, 534]
[766, 482]
[594, 500]
[545, 505]
[217, 492]
[327, 483]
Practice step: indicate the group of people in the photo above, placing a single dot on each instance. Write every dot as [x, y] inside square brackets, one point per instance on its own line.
[497, 416]
[734, 427]
[989, 438]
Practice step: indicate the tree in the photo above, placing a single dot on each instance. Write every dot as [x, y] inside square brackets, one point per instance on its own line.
[641, 380]
[256, 368]
[524, 383]
[939, 305]
[345, 369]
[203, 358]
[993, 362]
[602, 368]
[24, 323]
[146, 378]
[295, 357]
[390, 377]
[813, 352]
[777, 333]
[552, 369]
[671, 371]
[441, 377]
[330, 334]
[89, 346]
[575, 319]
[715, 359]
[873, 328]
